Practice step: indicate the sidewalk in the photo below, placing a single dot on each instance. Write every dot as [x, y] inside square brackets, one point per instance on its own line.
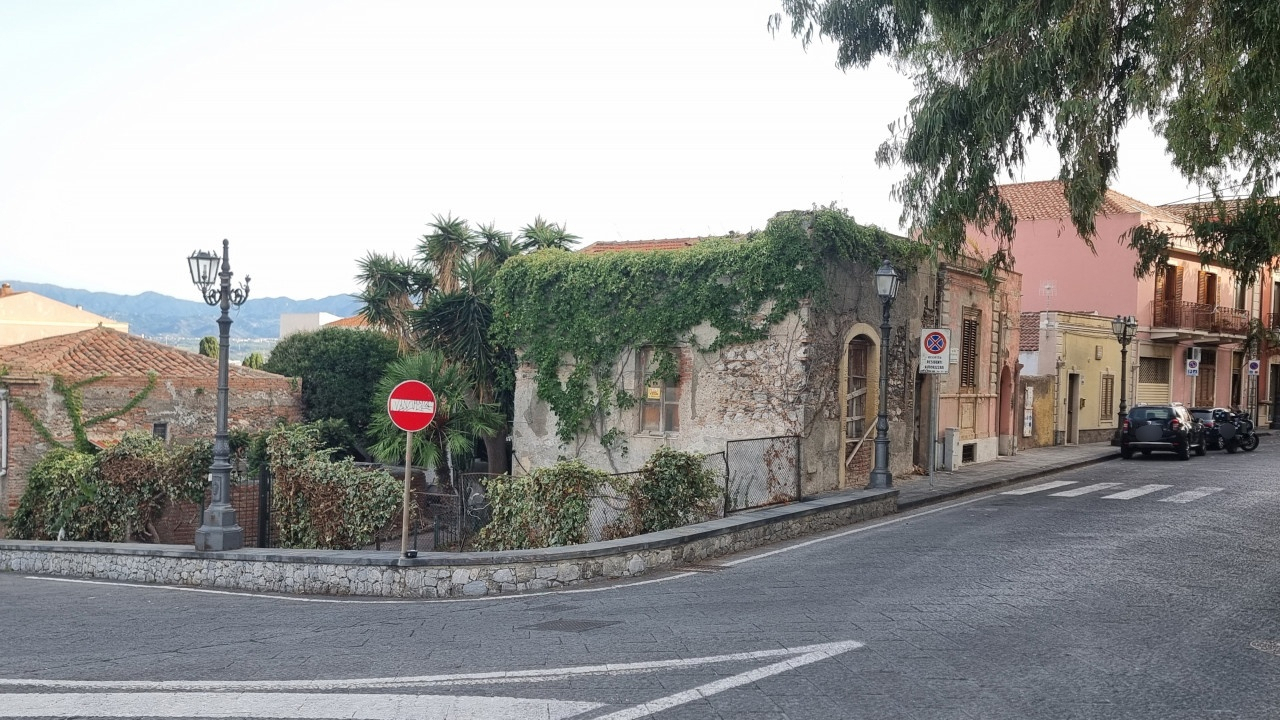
[916, 490]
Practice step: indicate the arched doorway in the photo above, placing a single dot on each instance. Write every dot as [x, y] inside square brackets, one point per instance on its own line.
[859, 403]
[1004, 415]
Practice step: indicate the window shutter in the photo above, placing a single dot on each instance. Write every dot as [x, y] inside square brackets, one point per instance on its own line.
[1202, 287]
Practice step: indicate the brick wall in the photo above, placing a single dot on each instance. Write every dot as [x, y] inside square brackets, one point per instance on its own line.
[187, 406]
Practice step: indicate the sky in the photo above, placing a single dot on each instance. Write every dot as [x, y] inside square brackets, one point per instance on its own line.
[308, 134]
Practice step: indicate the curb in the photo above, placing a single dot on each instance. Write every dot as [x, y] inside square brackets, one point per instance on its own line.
[990, 483]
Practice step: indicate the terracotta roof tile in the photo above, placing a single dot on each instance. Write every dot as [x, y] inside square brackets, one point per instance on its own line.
[1029, 332]
[640, 245]
[355, 321]
[102, 350]
[1045, 201]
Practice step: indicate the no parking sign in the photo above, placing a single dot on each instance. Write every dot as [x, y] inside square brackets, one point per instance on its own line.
[1253, 366]
[933, 350]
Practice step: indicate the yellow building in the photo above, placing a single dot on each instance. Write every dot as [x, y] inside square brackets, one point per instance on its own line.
[26, 316]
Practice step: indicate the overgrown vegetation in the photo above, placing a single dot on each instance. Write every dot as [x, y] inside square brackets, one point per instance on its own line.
[112, 496]
[674, 489]
[548, 507]
[317, 502]
[73, 403]
[588, 310]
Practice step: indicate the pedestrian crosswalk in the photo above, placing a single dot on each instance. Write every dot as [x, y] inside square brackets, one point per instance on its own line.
[1065, 490]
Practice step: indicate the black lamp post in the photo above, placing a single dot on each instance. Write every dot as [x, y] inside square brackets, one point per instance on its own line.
[886, 288]
[219, 530]
[1124, 328]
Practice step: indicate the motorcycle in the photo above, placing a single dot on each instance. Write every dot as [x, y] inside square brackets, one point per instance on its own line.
[1245, 435]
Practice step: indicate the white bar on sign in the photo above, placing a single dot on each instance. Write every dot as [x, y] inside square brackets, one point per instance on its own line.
[418, 406]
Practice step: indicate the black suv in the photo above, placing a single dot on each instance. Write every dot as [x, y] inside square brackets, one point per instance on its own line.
[1161, 427]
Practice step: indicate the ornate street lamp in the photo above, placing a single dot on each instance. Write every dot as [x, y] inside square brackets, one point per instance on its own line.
[1124, 328]
[886, 288]
[219, 530]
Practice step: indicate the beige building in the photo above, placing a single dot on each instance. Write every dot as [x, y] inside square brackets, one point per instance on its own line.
[1081, 356]
[26, 316]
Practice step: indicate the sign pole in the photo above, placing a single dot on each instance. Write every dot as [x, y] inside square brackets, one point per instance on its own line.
[408, 474]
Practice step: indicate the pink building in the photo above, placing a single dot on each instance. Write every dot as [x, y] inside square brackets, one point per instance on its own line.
[1183, 310]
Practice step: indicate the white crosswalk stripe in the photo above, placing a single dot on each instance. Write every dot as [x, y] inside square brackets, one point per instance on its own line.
[1038, 488]
[1188, 496]
[1076, 492]
[1136, 492]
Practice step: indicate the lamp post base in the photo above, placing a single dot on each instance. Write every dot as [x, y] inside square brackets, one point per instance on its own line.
[219, 531]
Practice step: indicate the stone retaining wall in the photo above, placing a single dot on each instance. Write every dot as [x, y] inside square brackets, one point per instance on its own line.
[442, 575]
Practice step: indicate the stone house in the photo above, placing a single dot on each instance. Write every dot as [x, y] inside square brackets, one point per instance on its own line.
[815, 378]
[27, 316]
[179, 404]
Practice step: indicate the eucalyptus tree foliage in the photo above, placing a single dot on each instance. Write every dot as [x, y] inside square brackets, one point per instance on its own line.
[997, 75]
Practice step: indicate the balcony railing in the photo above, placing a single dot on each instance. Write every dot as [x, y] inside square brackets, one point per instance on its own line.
[1273, 321]
[1205, 318]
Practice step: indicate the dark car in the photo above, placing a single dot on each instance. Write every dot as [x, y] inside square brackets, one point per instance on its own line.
[1210, 417]
[1168, 428]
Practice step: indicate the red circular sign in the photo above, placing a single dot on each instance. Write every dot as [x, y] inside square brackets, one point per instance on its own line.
[411, 405]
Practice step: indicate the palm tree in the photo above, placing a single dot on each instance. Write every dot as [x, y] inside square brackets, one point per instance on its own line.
[451, 242]
[459, 419]
[392, 288]
[541, 235]
[495, 245]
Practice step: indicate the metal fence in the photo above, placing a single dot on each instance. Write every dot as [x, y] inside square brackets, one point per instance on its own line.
[761, 471]
[447, 516]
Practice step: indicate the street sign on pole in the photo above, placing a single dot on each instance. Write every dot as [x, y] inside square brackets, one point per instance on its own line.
[934, 344]
[1193, 367]
[1254, 366]
[411, 406]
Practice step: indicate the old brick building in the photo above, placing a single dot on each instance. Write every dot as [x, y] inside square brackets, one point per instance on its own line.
[180, 396]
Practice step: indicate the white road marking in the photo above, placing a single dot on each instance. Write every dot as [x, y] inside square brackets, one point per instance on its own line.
[1038, 488]
[502, 676]
[719, 686]
[1189, 495]
[285, 705]
[1077, 492]
[281, 699]
[1136, 492]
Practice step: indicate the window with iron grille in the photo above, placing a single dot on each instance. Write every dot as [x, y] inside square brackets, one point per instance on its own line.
[1153, 370]
[1106, 399]
[969, 349]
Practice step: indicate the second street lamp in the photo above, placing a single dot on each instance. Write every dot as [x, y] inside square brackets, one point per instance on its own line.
[218, 528]
[1124, 329]
[886, 288]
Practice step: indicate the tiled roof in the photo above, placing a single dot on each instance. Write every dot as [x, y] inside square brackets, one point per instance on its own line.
[102, 350]
[1029, 332]
[1045, 201]
[355, 321]
[640, 245]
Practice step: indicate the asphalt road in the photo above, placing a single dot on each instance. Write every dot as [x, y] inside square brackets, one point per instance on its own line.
[1069, 601]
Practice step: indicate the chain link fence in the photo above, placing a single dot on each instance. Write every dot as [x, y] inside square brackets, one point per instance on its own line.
[761, 471]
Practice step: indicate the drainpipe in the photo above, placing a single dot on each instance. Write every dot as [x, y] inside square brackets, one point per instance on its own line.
[4, 443]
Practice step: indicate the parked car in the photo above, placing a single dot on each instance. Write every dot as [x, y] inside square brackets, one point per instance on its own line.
[1210, 417]
[1167, 428]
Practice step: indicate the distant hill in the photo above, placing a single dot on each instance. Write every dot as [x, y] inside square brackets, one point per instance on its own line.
[154, 315]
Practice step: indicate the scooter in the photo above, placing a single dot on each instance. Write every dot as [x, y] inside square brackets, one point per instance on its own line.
[1245, 435]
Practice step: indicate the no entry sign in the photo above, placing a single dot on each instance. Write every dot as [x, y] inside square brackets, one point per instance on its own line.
[411, 405]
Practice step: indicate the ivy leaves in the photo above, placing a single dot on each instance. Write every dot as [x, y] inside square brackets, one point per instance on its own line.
[586, 311]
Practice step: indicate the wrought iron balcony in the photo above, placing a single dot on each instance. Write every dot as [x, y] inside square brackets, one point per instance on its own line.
[1217, 319]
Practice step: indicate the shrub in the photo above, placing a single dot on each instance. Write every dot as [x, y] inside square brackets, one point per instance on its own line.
[674, 489]
[548, 507]
[320, 503]
[114, 496]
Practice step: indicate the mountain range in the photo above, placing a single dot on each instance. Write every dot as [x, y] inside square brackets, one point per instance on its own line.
[156, 316]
